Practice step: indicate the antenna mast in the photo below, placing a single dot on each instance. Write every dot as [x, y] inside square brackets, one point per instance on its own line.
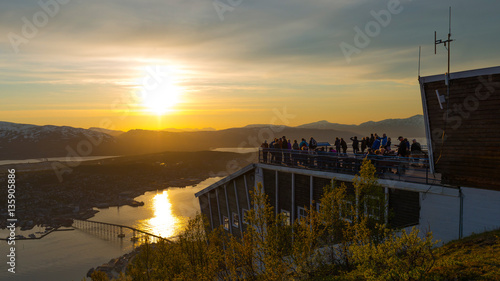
[448, 41]
[442, 99]
[419, 51]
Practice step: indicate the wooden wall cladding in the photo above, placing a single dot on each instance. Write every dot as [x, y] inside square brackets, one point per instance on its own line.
[469, 154]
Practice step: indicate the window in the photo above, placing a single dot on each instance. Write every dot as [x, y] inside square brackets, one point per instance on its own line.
[244, 212]
[345, 211]
[226, 222]
[236, 220]
[287, 216]
[372, 207]
[405, 207]
[318, 209]
[301, 212]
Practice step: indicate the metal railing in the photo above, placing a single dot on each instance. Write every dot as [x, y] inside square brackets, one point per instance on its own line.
[117, 229]
[414, 168]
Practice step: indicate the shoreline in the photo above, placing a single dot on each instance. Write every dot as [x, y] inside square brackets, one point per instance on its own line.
[66, 220]
[22, 237]
[115, 266]
[44, 200]
[4, 162]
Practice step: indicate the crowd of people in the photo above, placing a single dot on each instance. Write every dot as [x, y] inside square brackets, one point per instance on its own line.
[371, 145]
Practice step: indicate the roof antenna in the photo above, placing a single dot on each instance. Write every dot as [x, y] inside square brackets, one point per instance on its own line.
[419, 52]
[447, 82]
[437, 42]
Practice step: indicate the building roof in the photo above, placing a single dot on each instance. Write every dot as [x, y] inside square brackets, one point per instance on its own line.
[227, 179]
[461, 74]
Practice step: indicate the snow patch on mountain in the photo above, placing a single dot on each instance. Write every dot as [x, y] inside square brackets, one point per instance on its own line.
[25, 132]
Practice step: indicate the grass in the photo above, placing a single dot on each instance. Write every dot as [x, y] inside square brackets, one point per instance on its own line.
[476, 257]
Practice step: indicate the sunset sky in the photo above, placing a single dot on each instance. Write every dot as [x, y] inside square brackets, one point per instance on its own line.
[155, 64]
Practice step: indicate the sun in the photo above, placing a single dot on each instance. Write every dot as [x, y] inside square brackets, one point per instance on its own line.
[162, 99]
[160, 92]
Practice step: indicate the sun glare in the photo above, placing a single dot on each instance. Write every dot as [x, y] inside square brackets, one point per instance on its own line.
[164, 223]
[159, 90]
[163, 99]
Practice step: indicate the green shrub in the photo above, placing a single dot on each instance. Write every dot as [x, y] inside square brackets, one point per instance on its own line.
[402, 256]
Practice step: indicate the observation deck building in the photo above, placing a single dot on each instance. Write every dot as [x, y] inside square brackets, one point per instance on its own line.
[454, 191]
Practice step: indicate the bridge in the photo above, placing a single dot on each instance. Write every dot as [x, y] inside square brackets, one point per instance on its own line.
[115, 230]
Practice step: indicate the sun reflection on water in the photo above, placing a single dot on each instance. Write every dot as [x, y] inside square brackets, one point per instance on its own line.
[164, 223]
[169, 211]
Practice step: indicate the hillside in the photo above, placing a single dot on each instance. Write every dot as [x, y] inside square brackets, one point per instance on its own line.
[473, 258]
[235, 137]
[409, 127]
[23, 141]
[476, 257]
[19, 141]
[114, 133]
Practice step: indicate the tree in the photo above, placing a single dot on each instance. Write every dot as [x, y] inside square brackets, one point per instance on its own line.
[306, 254]
[270, 236]
[99, 276]
[352, 215]
[336, 215]
[376, 252]
[403, 256]
[194, 255]
[347, 234]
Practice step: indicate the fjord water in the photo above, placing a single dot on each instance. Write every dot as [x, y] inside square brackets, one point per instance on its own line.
[68, 255]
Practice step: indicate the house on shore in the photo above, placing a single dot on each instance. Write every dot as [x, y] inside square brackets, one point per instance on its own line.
[454, 191]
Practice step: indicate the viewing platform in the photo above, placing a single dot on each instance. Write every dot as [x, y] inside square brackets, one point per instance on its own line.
[414, 168]
[451, 189]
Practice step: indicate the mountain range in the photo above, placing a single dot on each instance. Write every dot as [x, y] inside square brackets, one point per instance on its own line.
[412, 127]
[24, 141]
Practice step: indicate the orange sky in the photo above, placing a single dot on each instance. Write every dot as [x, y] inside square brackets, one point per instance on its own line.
[180, 64]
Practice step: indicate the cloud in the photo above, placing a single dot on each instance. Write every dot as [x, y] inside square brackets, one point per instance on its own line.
[262, 48]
